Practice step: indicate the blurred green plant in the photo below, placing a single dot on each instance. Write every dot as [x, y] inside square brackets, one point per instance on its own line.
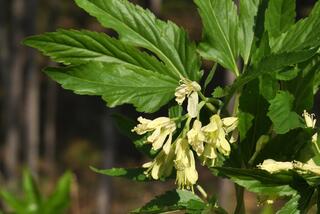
[33, 202]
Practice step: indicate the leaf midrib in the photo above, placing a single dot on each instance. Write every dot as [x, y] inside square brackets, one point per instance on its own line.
[152, 47]
[224, 37]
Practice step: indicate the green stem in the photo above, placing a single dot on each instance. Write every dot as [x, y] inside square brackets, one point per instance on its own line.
[208, 105]
[240, 208]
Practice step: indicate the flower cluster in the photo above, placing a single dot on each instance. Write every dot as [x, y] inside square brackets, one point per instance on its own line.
[273, 166]
[179, 154]
[205, 141]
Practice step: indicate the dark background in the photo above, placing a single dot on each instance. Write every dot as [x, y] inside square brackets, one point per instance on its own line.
[50, 130]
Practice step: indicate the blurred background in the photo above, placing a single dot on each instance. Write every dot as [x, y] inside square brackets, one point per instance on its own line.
[51, 130]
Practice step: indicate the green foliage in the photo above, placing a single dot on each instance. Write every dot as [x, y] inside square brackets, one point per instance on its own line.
[220, 22]
[172, 201]
[133, 85]
[139, 27]
[132, 174]
[153, 61]
[281, 114]
[34, 202]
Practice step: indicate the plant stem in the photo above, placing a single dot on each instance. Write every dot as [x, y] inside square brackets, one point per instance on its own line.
[240, 208]
[208, 105]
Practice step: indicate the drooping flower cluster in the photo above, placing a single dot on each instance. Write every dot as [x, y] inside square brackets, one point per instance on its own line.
[210, 139]
[162, 128]
[205, 141]
[273, 166]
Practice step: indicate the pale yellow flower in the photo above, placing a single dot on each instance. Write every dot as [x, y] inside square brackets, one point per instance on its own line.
[189, 89]
[311, 123]
[215, 134]
[162, 165]
[309, 119]
[209, 155]
[273, 166]
[230, 124]
[184, 163]
[196, 137]
[162, 129]
[306, 168]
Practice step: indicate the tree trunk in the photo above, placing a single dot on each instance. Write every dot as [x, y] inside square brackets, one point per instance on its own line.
[51, 102]
[13, 90]
[105, 187]
[32, 111]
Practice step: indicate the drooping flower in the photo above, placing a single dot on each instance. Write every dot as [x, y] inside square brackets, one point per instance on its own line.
[309, 119]
[184, 163]
[311, 123]
[209, 155]
[273, 166]
[215, 135]
[189, 89]
[307, 168]
[196, 137]
[162, 165]
[162, 128]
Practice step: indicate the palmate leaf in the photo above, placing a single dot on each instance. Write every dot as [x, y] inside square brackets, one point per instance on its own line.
[220, 22]
[270, 64]
[117, 84]
[280, 15]
[78, 47]
[135, 174]
[248, 13]
[139, 27]
[173, 201]
[252, 105]
[259, 181]
[281, 114]
[304, 34]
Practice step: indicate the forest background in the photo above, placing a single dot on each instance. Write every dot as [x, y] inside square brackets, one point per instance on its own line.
[51, 130]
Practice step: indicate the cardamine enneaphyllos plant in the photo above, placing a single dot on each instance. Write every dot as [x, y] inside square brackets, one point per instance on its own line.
[268, 144]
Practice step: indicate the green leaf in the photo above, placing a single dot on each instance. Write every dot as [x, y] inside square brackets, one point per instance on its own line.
[139, 27]
[252, 102]
[59, 200]
[280, 16]
[218, 92]
[13, 202]
[245, 123]
[210, 76]
[248, 13]
[125, 125]
[299, 203]
[259, 181]
[291, 206]
[289, 146]
[175, 111]
[220, 23]
[281, 114]
[172, 201]
[287, 74]
[32, 194]
[304, 34]
[268, 86]
[135, 174]
[302, 87]
[117, 84]
[78, 47]
[269, 65]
